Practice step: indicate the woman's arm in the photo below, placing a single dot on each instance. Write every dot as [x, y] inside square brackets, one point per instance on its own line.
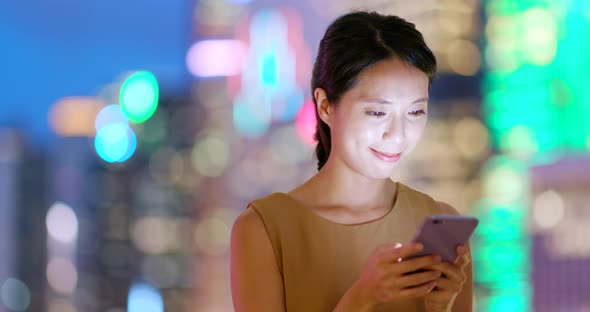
[256, 283]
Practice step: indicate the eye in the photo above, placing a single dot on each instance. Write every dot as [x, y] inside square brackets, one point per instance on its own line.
[375, 113]
[418, 112]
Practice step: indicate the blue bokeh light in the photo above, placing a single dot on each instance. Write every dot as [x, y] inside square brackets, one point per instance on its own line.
[251, 119]
[290, 107]
[144, 298]
[115, 142]
[268, 70]
[15, 294]
[108, 115]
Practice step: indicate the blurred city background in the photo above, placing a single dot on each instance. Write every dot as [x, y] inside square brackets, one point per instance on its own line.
[132, 133]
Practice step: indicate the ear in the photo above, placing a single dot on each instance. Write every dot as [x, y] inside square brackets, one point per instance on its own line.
[324, 108]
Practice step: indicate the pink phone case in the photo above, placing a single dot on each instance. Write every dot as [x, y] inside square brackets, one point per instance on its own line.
[441, 234]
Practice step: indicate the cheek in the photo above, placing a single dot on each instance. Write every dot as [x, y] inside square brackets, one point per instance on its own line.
[364, 133]
[416, 130]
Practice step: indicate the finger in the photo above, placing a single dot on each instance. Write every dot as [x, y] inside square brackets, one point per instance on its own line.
[385, 250]
[462, 261]
[451, 271]
[418, 291]
[414, 264]
[415, 279]
[402, 251]
[448, 285]
[461, 250]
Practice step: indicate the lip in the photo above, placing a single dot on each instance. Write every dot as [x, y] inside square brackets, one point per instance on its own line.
[387, 157]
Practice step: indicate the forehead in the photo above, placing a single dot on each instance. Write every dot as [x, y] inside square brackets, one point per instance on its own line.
[392, 79]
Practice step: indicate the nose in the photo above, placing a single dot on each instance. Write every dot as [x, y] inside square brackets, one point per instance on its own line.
[396, 131]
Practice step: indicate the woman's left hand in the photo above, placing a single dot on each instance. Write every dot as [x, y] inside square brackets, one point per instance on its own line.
[450, 284]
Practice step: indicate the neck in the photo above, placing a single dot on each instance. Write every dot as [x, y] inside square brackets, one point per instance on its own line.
[337, 185]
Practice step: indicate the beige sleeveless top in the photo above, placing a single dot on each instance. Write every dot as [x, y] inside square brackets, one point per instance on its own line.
[320, 259]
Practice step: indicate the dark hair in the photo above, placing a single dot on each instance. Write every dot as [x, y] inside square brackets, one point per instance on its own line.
[352, 43]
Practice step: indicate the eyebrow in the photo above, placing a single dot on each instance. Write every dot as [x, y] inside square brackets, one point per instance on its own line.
[385, 101]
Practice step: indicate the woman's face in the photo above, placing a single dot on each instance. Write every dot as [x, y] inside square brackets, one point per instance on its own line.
[381, 119]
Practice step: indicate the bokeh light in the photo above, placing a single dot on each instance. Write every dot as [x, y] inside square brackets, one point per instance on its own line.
[463, 57]
[212, 236]
[269, 70]
[269, 82]
[471, 138]
[115, 142]
[306, 123]
[60, 305]
[287, 110]
[520, 142]
[156, 235]
[181, 172]
[548, 209]
[144, 298]
[540, 36]
[211, 155]
[62, 275]
[139, 96]
[216, 58]
[74, 116]
[62, 223]
[504, 185]
[287, 148]
[502, 45]
[215, 18]
[451, 25]
[110, 114]
[251, 119]
[15, 294]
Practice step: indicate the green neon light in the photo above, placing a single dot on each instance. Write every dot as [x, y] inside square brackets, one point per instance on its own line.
[139, 96]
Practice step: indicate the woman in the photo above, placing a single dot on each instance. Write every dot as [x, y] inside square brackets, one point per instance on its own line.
[333, 243]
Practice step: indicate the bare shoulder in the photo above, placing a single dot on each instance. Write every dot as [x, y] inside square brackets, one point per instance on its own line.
[447, 209]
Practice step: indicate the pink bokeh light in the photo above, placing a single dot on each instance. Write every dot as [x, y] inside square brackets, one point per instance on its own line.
[216, 58]
[306, 123]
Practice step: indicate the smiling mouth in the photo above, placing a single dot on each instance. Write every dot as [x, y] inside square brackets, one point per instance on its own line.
[386, 156]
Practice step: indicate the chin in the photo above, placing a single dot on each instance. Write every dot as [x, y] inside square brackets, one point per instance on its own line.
[384, 175]
[380, 172]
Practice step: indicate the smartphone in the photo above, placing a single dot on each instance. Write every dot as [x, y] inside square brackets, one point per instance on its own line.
[441, 234]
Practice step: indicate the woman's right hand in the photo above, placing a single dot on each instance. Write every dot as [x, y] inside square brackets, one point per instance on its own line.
[386, 277]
